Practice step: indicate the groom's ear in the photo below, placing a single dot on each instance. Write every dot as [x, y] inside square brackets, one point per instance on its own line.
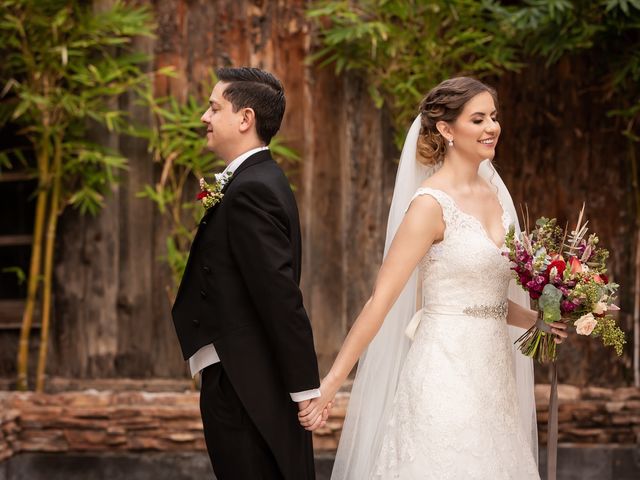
[248, 120]
[444, 128]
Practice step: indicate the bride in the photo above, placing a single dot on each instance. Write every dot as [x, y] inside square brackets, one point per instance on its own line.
[440, 392]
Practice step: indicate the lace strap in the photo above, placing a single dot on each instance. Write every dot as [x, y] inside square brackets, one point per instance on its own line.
[445, 202]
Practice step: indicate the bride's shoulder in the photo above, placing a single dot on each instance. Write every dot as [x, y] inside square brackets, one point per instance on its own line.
[426, 209]
[427, 202]
[432, 195]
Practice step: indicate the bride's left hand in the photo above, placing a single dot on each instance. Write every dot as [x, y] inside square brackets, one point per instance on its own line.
[311, 417]
[559, 329]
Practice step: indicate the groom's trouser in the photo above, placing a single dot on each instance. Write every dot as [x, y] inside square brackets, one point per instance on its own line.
[236, 448]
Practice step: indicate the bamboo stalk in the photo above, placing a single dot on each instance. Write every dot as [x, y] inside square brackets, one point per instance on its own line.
[52, 224]
[22, 362]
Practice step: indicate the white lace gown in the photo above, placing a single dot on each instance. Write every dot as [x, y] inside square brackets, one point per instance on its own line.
[455, 414]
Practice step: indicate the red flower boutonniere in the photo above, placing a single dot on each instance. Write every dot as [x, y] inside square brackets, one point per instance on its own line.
[211, 194]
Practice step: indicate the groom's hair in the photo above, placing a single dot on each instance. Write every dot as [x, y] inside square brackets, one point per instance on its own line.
[259, 90]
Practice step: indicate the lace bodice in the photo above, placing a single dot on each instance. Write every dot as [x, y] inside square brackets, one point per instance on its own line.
[466, 268]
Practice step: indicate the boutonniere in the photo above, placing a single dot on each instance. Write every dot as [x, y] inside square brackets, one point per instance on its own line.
[211, 194]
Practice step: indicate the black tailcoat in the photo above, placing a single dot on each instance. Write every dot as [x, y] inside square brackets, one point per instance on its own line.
[240, 291]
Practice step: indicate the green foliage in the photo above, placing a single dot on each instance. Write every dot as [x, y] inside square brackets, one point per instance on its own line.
[21, 277]
[177, 143]
[607, 31]
[611, 334]
[286, 157]
[64, 65]
[405, 47]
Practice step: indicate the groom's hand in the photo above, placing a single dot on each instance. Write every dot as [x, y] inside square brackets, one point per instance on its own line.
[321, 420]
[303, 404]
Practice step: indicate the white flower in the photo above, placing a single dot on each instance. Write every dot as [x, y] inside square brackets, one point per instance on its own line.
[585, 324]
[222, 178]
[600, 307]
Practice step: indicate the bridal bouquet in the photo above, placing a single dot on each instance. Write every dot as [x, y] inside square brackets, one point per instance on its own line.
[565, 272]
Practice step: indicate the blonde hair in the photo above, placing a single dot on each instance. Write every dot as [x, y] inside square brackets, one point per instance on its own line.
[445, 102]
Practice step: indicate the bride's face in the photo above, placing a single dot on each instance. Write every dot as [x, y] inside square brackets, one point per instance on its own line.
[475, 132]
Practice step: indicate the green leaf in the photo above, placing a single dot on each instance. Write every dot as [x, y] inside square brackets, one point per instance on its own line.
[19, 273]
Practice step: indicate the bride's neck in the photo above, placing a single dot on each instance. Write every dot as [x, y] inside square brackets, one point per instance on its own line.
[463, 172]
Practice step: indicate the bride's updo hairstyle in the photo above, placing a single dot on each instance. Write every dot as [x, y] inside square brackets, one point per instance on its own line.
[445, 102]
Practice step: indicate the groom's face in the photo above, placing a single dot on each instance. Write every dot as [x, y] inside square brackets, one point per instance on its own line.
[223, 124]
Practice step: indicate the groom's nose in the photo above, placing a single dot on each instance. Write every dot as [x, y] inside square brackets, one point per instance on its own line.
[205, 117]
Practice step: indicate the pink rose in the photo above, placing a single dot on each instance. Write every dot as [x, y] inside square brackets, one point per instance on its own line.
[585, 324]
[576, 266]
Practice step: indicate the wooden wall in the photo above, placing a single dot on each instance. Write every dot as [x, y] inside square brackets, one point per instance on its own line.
[112, 311]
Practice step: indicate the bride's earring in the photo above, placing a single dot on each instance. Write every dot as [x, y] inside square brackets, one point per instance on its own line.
[451, 142]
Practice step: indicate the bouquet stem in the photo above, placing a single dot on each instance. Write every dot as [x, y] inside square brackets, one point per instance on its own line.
[537, 344]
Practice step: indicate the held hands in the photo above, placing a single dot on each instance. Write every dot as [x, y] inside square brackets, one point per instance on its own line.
[321, 420]
[314, 414]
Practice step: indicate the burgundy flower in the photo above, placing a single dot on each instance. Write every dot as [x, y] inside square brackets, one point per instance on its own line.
[567, 306]
[541, 279]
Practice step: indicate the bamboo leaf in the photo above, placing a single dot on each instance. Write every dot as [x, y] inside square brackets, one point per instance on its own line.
[21, 277]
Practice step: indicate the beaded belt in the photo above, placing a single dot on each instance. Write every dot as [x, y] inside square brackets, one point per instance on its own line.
[496, 311]
[487, 311]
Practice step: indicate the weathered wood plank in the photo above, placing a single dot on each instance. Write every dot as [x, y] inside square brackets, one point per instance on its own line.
[15, 240]
[11, 315]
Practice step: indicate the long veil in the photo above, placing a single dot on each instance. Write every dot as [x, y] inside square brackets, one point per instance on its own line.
[379, 366]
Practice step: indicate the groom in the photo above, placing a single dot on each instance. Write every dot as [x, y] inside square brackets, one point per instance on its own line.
[238, 313]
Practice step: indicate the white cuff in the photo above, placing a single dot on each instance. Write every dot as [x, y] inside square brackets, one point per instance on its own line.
[306, 395]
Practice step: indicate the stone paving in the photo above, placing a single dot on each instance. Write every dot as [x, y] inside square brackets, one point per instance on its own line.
[574, 463]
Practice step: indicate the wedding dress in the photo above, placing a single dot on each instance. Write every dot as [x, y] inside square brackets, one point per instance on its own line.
[455, 414]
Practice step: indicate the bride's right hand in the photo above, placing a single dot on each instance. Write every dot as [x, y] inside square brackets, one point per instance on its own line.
[315, 414]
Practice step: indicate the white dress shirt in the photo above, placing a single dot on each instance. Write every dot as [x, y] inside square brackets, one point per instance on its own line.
[208, 355]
